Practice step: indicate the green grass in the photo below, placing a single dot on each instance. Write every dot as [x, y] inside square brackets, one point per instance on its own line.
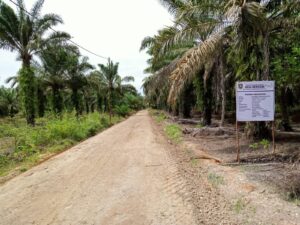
[296, 201]
[199, 126]
[215, 179]
[239, 205]
[263, 143]
[22, 146]
[194, 162]
[160, 118]
[173, 132]
[158, 115]
[293, 197]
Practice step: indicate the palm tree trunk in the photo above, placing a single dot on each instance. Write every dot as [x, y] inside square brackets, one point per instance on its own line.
[87, 106]
[110, 104]
[223, 91]
[28, 90]
[11, 112]
[207, 97]
[188, 101]
[258, 72]
[261, 129]
[266, 60]
[99, 103]
[207, 106]
[105, 104]
[75, 100]
[57, 101]
[41, 102]
[93, 107]
[285, 123]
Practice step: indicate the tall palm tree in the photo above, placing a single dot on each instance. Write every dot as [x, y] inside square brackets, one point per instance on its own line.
[112, 80]
[195, 21]
[96, 83]
[54, 63]
[161, 65]
[25, 34]
[246, 18]
[75, 78]
[246, 21]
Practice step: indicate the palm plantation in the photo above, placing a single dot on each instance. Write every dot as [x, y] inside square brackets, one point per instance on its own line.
[227, 41]
[57, 91]
[25, 34]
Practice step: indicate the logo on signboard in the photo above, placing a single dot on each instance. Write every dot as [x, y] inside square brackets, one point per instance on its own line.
[241, 86]
[271, 85]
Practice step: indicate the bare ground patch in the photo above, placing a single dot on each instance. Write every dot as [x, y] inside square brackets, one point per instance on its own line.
[263, 189]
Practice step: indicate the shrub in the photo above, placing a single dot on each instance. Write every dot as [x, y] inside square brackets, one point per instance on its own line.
[122, 110]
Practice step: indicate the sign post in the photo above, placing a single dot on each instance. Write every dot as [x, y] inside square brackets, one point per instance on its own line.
[255, 101]
[237, 142]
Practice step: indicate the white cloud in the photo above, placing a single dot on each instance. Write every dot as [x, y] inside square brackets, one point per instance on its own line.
[112, 28]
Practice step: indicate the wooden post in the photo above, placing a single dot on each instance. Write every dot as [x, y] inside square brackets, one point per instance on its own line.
[237, 142]
[273, 136]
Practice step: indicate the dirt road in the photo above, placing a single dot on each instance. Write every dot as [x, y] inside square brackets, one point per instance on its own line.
[121, 176]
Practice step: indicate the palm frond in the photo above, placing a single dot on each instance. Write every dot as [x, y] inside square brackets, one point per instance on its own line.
[128, 79]
[47, 21]
[36, 9]
[21, 10]
[172, 5]
[9, 28]
[13, 80]
[147, 42]
[190, 64]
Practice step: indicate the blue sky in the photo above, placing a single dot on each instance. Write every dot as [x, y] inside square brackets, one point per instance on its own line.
[112, 28]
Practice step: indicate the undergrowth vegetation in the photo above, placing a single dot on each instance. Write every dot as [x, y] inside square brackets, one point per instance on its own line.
[22, 145]
[159, 116]
[174, 132]
[215, 179]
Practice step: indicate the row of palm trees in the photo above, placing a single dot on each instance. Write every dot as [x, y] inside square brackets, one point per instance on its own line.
[212, 44]
[51, 66]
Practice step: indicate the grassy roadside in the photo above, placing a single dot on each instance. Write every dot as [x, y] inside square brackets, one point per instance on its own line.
[22, 147]
[172, 131]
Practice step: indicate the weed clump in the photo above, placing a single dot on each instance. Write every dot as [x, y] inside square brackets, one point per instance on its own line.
[174, 132]
[215, 179]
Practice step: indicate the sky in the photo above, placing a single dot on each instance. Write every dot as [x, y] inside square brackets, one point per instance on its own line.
[110, 28]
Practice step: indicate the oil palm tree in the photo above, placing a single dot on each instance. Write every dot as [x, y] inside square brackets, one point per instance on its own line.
[26, 34]
[96, 83]
[246, 21]
[195, 21]
[54, 63]
[112, 81]
[8, 101]
[156, 86]
[75, 78]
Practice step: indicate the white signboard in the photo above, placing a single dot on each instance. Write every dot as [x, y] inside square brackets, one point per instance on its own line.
[255, 101]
